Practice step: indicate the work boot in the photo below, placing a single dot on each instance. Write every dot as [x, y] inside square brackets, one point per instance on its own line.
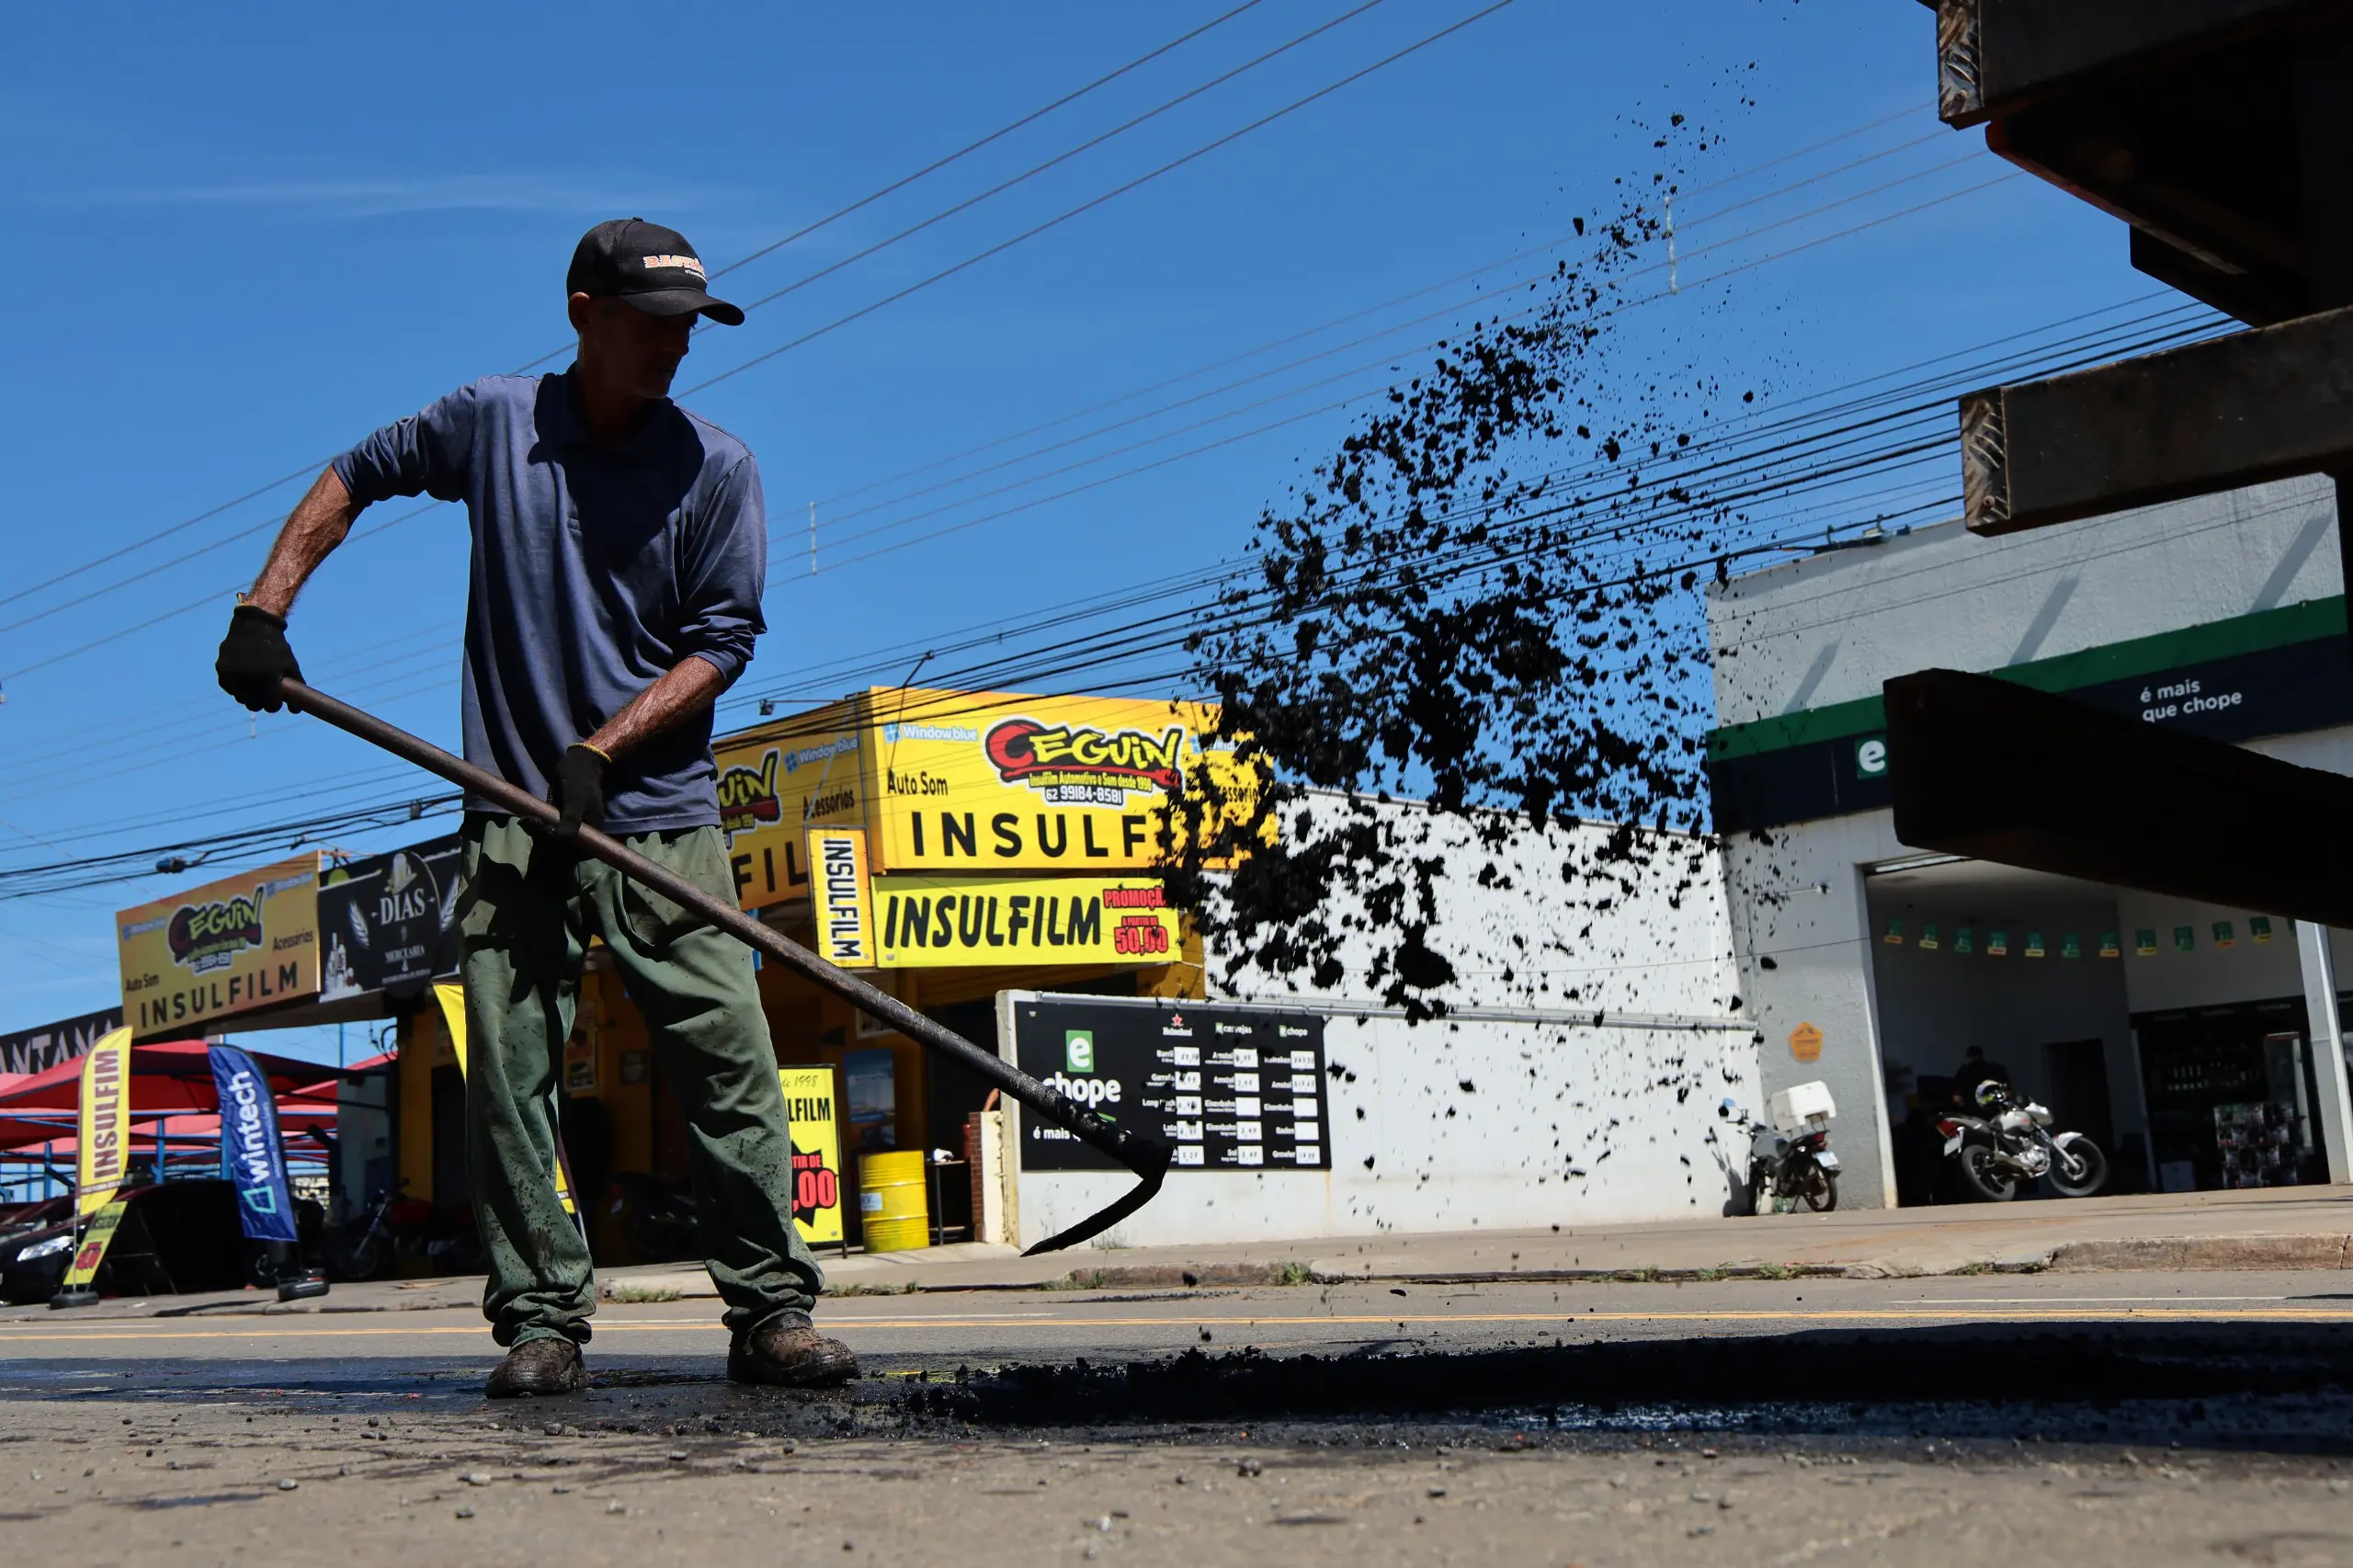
[787, 1351]
[548, 1364]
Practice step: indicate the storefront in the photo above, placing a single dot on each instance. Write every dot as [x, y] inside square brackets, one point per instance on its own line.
[957, 844]
[959, 849]
[2200, 1046]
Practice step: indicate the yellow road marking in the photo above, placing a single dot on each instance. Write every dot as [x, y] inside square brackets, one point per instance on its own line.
[850, 1325]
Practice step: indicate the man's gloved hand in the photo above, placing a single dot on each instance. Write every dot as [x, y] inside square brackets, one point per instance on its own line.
[254, 658]
[579, 790]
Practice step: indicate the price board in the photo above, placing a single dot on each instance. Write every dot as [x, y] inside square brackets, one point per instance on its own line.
[1228, 1087]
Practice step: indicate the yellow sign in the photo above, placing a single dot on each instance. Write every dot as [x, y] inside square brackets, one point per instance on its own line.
[844, 910]
[951, 922]
[816, 1153]
[102, 1131]
[453, 1013]
[988, 782]
[1805, 1043]
[95, 1242]
[229, 946]
[777, 782]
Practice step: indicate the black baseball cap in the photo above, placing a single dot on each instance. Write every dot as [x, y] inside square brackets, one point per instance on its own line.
[651, 267]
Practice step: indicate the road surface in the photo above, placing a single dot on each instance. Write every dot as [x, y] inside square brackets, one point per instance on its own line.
[2128, 1418]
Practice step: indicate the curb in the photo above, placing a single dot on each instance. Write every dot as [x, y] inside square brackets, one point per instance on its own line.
[2279, 1253]
[2274, 1253]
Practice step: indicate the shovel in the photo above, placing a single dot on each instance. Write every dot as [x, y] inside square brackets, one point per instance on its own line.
[1146, 1156]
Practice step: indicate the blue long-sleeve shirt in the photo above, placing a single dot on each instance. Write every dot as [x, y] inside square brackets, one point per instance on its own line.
[595, 570]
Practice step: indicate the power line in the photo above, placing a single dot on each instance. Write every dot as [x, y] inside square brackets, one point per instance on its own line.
[311, 469]
[1288, 338]
[387, 525]
[1056, 161]
[1035, 229]
[893, 298]
[2084, 346]
[1343, 402]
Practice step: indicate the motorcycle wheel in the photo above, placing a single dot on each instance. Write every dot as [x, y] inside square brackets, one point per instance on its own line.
[1822, 1192]
[1985, 1178]
[2090, 1173]
[365, 1259]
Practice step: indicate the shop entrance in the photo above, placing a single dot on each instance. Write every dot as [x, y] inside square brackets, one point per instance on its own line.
[2025, 968]
[2231, 1092]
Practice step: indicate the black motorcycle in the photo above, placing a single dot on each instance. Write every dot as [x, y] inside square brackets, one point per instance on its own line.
[398, 1230]
[2011, 1144]
[1796, 1165]
[656, 1216]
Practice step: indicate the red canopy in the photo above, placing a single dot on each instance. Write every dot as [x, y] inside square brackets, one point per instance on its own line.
[172, 1078]
[295, 1120]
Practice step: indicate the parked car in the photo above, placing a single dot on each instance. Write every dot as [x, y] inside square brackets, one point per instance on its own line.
[16, 1219]
[176, 1237]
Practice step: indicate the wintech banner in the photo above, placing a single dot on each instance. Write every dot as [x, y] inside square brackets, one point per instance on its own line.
[966, 781]
[779, 781]
[243, 943]
[251, 1147]
[953, 922]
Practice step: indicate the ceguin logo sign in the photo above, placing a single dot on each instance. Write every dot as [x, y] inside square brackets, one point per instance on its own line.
[747, 798]
[206, 937]
[1084, 766]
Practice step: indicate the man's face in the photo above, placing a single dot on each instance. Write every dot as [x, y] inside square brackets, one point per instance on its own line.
[630, 350]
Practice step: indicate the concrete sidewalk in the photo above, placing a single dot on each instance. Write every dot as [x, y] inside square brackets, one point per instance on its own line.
[2278, 1227]
[2272, 1228]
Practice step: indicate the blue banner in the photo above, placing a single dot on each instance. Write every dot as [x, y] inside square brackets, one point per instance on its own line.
[250, 1145]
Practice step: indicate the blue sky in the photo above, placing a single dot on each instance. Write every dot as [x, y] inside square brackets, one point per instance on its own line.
[253, 239]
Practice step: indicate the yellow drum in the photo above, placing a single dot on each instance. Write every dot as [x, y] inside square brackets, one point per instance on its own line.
[891, 1200]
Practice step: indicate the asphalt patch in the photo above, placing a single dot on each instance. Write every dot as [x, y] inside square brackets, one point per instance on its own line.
[1834, 1377]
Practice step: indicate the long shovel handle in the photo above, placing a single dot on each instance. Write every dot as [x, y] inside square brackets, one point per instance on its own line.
[1145, 1155]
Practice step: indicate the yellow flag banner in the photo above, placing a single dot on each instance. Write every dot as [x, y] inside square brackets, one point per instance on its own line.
[845, 913]
[777, 782]
[453, 1013]
[816, 1153]
[95, 1242]
[103, 1130]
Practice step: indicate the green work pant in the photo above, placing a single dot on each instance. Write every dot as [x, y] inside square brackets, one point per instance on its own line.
[526, 910]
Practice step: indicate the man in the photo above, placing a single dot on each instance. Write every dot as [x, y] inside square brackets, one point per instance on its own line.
[620, 547]
[1976, 1069]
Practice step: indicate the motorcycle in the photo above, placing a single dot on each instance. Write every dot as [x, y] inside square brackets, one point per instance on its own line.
[397, 1230]
[656, 1216]
[1789, 1157]
[2012, 1144]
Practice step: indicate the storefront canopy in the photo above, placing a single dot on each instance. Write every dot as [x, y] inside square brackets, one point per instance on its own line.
[296, 1118]
[172, 1078]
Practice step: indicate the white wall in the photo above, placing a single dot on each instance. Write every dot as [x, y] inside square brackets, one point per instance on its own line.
[1800, 901]
[1599, 1027]
[2209, 976]
[1832, 628]
[1564, 1125]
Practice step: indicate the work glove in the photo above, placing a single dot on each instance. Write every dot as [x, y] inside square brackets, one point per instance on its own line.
[579, 790]
[254, 658]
